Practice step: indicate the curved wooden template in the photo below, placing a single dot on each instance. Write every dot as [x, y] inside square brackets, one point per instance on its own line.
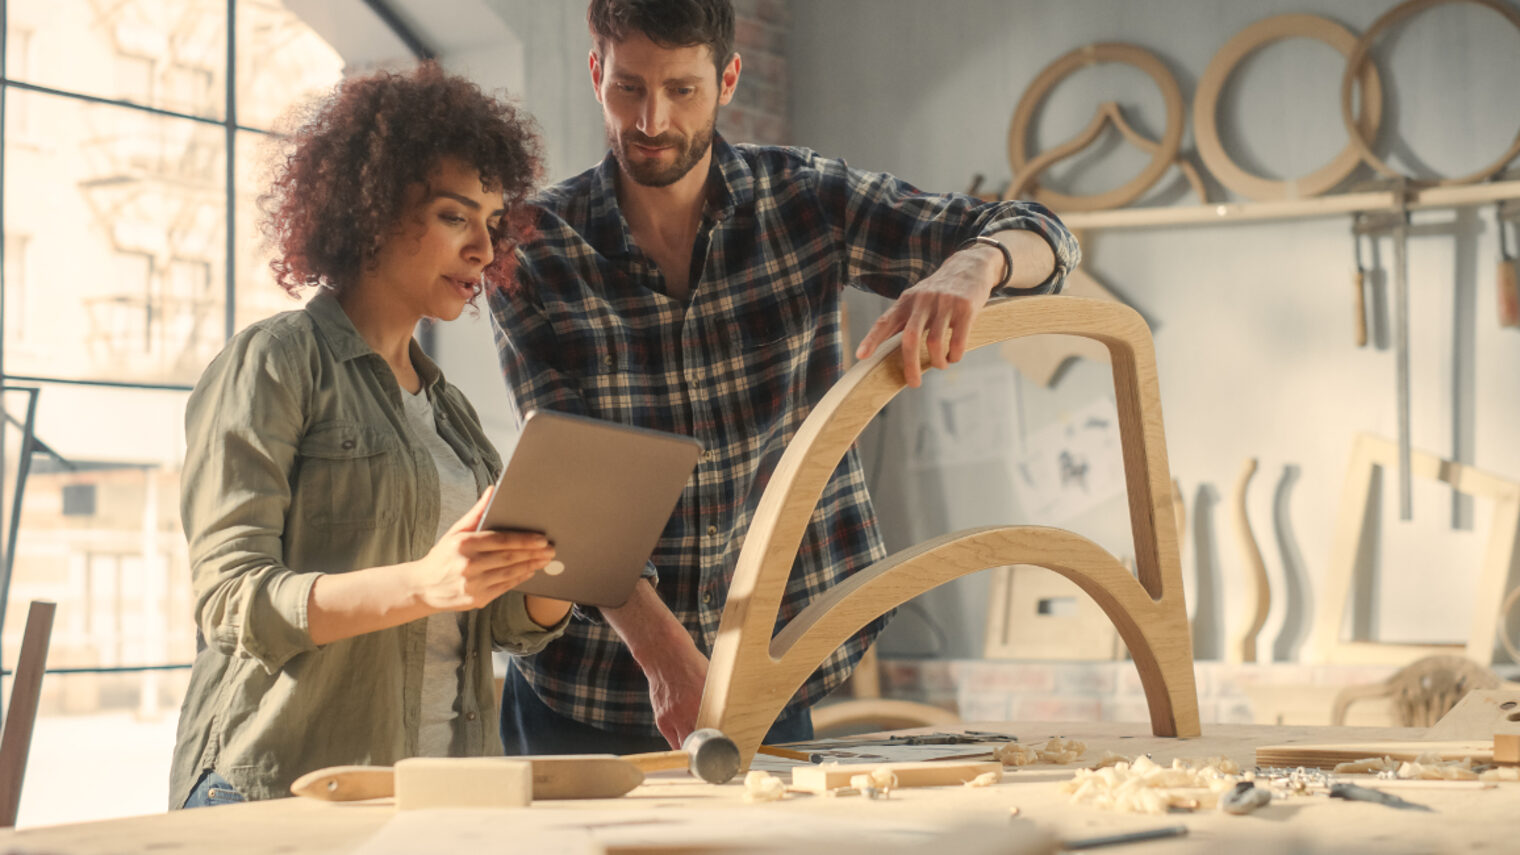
[1166, 150]
[1244, 648]
[1107, 113]
[1360, 56]
[880, 714]
[744, 647]
[842, 611]
[1211, 84]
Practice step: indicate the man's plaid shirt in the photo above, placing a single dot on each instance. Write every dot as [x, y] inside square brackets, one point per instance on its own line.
[589, 330]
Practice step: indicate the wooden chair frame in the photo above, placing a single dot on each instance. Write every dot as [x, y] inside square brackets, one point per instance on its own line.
[752, 675]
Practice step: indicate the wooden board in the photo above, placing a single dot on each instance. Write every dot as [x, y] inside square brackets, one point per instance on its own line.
[1326, 756]
[569, 776]
[1480, 714]
[926, 773]
[452, 782]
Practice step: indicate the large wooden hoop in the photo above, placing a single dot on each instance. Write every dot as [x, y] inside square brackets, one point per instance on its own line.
[752, 674]
[1162, 156]
[1242, 45]
[1363, 49]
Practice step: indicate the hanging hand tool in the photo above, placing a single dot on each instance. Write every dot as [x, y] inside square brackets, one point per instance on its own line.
[1359, 289]
[1395, 224]
[1505, 214]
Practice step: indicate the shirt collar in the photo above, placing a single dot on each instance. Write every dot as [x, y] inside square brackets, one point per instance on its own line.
[347, 344]
[732, 185]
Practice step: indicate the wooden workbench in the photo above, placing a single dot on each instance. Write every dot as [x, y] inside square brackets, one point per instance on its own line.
[1462, 820]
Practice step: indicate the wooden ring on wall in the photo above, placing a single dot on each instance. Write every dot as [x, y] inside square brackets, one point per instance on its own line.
[1162, 156]
[1242, 45]
[1363, 48]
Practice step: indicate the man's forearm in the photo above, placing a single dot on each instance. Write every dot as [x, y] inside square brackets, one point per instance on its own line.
[1033, 262]
[647, 626]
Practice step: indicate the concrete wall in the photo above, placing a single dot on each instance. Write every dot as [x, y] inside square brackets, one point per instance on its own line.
[1252, 322]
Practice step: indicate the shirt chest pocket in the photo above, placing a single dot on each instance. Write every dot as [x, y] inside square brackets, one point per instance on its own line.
[771, 322]
[347, 474]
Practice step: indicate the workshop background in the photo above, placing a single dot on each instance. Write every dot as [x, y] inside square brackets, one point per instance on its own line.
[131, 158]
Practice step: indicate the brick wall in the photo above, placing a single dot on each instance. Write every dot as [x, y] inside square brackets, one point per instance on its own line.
[758, 113]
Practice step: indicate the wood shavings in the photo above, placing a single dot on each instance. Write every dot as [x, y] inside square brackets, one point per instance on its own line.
[1500, 774]
[1111, 759]
[1367, 766]
[763, 787]
[986, 779]
[1430, 767]
[1146, 786]
[876, 785]
[1057, 751]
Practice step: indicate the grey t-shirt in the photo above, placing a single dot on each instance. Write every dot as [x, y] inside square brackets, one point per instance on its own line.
[445, 630]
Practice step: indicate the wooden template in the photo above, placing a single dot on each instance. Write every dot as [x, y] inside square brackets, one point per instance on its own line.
[1259, 591]
[1211, 84]
[1022, 624]
[1360, 57]
[752, 675]
[1163, 153]
[1480, 713]
[1369, 451]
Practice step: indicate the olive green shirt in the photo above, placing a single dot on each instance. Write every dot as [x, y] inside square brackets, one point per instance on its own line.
[300, 462]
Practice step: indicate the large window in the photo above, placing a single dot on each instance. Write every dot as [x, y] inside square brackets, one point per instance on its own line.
[134, 139]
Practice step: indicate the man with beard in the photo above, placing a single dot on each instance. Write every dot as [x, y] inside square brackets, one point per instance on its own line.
[693, 286]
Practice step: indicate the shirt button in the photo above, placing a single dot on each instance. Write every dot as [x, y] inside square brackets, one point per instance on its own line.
[707, 598]
[469, 716]
[712, 530]
[607, 360]
[708, 455]
[348, 444]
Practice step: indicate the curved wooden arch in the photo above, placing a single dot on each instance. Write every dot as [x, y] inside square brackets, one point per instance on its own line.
[1362, 55]
[752, 675]
[1163, 153]
[1211, 84]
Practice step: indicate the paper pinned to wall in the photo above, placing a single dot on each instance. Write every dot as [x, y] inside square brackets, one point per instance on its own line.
[1071, 466]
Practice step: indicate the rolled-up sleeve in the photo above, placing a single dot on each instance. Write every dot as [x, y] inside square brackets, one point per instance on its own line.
[242, 426]
[894, 234]
[514, 631]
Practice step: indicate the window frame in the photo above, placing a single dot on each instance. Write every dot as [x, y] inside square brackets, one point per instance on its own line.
[231, 127]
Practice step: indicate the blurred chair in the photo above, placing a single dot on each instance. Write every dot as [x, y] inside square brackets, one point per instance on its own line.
[1422, 691]
[866, 711]
[21, 713]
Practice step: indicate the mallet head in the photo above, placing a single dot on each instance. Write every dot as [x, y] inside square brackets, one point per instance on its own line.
[711, 756]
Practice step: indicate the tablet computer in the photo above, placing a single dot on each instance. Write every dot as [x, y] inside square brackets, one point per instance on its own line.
[601, 492]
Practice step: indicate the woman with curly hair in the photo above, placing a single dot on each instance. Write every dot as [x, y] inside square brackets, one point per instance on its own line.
[346, 606]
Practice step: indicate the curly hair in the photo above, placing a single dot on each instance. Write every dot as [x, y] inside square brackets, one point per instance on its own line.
[339, 186]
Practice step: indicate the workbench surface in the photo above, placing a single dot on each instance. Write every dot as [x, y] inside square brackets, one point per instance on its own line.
[1460, 820]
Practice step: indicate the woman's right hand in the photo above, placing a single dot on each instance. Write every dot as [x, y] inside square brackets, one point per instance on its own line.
[467, 569]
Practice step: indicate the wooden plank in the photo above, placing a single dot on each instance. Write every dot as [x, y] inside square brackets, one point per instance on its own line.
[925, 773]
[451, 782]
[1326, 756]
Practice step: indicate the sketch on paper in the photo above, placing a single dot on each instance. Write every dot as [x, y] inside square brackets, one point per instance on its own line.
[1071, 465]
